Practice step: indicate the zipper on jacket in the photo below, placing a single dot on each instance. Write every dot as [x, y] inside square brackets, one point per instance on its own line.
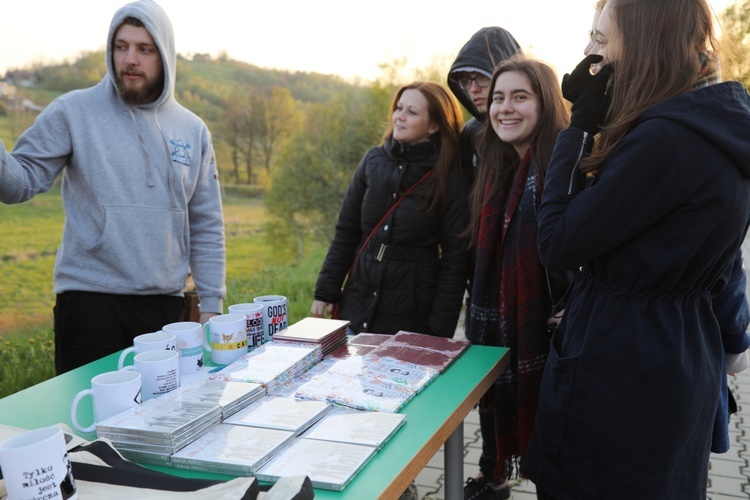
[578, 161]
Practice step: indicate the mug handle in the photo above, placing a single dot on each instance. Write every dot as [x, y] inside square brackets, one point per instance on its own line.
[206, 336]
[74, 410]
[123, 355]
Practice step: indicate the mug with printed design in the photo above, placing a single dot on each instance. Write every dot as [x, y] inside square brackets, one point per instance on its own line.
[112, 393]
[157, 341]
[160, 372]
[35, 465]
[253, 313]
[274, 314]
[189, 337]
[226, 338]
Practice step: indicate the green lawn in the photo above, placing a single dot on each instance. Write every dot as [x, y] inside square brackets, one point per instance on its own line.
[31, 233]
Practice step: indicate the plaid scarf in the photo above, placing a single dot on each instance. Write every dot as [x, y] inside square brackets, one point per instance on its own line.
[509, 308]
[710, 72]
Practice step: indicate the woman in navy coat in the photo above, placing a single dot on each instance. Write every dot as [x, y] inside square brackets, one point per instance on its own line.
[654, 217]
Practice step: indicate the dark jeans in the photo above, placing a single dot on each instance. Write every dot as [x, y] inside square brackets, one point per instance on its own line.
[540, 495]
[488, 458]
[90, 325]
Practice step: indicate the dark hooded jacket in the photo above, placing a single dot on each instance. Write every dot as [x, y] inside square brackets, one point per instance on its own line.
[487, 48]
[633, 383]
[412, 273]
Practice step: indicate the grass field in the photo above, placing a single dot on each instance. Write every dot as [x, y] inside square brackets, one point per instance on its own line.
[31, 234]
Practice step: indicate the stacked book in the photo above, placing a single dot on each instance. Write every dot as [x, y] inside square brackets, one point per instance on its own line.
[334, 449]
[287, 414]
[356, 427]
[429, 351]
[273, 363]
[328, 333]
[365, 383]
[230, 396]
[276, 437]
[232, 449]
[330, 465]
[159, 427]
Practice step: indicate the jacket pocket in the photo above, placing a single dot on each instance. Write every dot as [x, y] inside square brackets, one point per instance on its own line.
[554, 401]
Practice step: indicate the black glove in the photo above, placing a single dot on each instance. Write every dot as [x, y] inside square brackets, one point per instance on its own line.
[588, 93]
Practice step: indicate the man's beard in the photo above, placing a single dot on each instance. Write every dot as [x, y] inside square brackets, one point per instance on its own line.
[143, 94]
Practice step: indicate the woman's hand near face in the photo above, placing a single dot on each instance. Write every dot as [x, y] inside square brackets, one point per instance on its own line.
[588, 93]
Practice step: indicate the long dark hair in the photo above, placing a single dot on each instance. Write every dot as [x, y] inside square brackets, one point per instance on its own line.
[658, 58]
[499, 160]
[443, 110]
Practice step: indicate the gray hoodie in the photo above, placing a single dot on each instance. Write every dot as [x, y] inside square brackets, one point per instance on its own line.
[139, 184]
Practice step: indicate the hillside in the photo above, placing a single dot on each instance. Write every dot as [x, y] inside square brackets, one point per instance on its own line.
[269, 128]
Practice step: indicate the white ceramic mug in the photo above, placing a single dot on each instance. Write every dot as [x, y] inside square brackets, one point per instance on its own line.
[160, 372]
[112, 393]
[157, 341]
[253, 313]
[274, 314]
[226, 338]
[189, 336]
[35, 465]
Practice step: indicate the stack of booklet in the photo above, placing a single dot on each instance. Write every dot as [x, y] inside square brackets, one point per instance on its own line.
[356, 427]
[330, 465]
[232, 449]
[159, 427]
[271, 364]
[230, 396]
[432, 352]
[248, 439]
[286, 414]
[363, 382]
[329, 333]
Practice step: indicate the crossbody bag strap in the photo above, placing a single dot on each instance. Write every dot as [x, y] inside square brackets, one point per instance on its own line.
[381, 222]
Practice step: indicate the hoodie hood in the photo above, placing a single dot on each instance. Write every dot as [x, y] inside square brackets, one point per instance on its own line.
[487, 48]
[720, 113]
[157, 23]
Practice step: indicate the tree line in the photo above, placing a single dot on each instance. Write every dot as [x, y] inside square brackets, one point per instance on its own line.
[295, 138]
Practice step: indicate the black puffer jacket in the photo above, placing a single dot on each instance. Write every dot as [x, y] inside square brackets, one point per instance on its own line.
[418, 282]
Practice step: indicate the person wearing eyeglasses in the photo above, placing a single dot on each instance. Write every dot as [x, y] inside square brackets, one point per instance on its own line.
[469, 80]
[648, 193]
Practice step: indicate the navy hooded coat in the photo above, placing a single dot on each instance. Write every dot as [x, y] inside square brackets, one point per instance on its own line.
[633, 383]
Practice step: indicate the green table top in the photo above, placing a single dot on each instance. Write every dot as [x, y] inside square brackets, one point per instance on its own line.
[431, 417]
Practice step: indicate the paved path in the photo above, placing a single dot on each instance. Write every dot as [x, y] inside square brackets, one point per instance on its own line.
[729, 474]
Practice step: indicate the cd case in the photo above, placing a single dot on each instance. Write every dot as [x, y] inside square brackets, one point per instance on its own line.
[330, 465]
[356, 427]
[231, 449]
[287, 414]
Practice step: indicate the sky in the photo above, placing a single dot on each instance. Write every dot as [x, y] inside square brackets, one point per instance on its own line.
[349, 38]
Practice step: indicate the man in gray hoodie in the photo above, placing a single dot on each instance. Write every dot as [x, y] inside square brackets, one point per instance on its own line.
[140, 190]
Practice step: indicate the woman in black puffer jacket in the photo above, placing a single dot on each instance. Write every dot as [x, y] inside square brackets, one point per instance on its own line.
[411, 274]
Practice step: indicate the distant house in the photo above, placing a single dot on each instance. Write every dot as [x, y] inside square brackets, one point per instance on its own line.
[28, 105]
[21, 78]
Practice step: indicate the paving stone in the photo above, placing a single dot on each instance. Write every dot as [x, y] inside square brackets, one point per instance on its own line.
[729, 473]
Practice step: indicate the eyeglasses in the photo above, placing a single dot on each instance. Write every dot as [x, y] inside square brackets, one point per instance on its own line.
[481, 80]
